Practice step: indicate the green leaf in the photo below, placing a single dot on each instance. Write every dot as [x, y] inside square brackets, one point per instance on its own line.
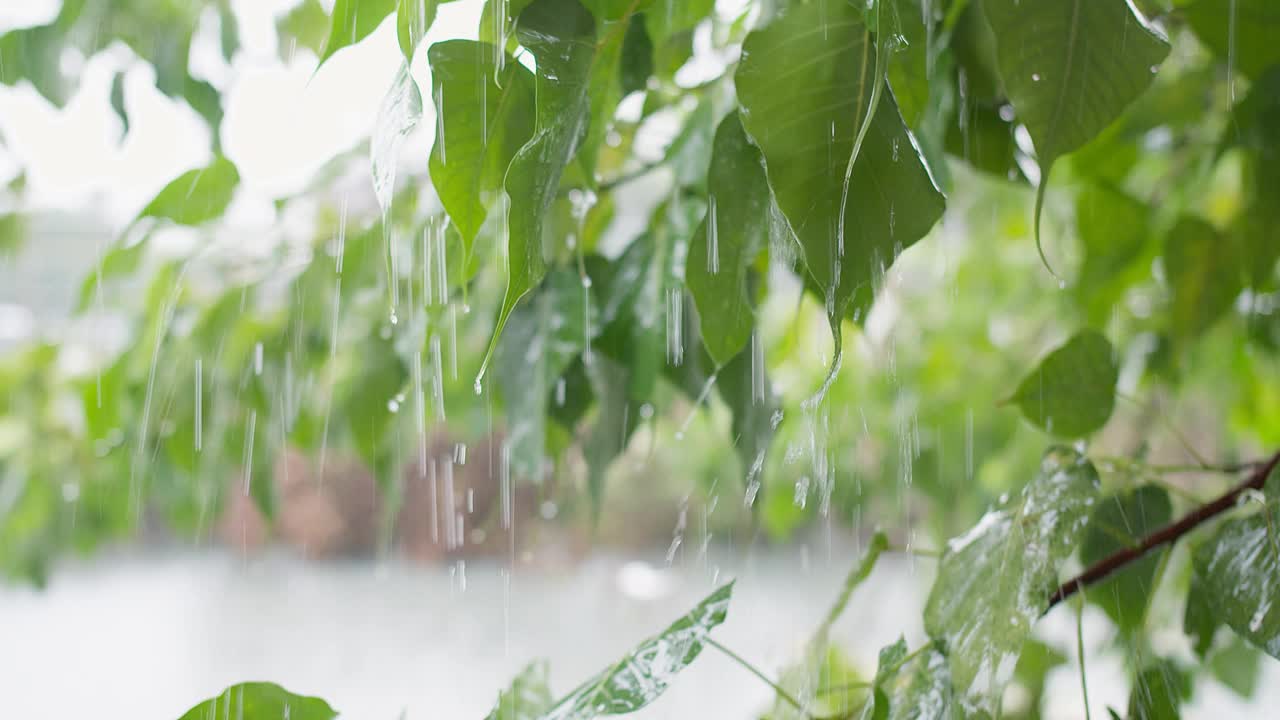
[543, 337]
[196, 196]
[1237, 666]
[1238, 571]
[911, 687]
[805, 86]
[485, 117]
[1248, 39]
[668, 18]
[352, 21]
[1157, 693]
[637, 57]
[994, 581]
[983, 139]
[370, 397]
[615, 9]
[561, 36]
[528, 697]
[261, 701]
[725, 245]
[1199, 621]
[1122, 521]
[1070, 67]
[909, 64]
[399, 113]
[306, 24]
[645, 673]
[1113, 229]
[1072, 391]
[413, 20]
[743, 384]
[1204, 274]
[616, 419]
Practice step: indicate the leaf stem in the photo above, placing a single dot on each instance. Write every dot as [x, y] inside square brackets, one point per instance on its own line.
[1104, 567]
[782, 693]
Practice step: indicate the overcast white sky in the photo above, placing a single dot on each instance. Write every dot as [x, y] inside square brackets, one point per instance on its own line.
[281, 123]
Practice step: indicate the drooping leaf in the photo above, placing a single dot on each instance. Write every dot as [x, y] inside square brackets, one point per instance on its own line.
[805, 85]
[261, 701]
[1122, 521]
[413, 20]
[544, 335]
[1238, 571]
[994, 581]
[725, 245]
[528, 697]
[1072, 391]
[561, 36]
[1242, 32]
[645, 673]
[1070, 68]
[353, 21]
[1113, 230]
[196, 196]
[400, 112]
[1204, 274]
[485, 117]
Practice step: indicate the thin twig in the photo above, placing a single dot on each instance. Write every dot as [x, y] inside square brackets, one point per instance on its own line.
[788, 697]
[1164, 536]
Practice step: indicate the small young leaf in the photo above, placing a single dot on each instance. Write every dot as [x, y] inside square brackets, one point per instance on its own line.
[352, 21]
[994, 581]
[196, 196]
[261, 701]
[645, 673]
[528, 697]
[1122, 521]
[1072, 392]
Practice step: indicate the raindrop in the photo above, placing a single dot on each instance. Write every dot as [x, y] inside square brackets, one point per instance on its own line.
[1035, 77]
[713, 237]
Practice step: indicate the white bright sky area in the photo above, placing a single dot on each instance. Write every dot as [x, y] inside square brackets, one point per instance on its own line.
[283, 119]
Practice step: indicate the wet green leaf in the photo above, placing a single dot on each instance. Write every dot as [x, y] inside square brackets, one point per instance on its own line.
[994, 581]
[196, 196]
[1238, 570]
[413, 20]
[805, 86]
[482, 125]
[261, 701]
[724, 247]
[561, 35]
[528, 697]
[637, 57]
[1122, 521]
[352, 21]
[543, 337]
[1072, 391]
[645, 673]
[1071, 66]
[1237, 666]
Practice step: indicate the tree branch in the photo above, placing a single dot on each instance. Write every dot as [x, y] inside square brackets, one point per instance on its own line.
[1104, 567]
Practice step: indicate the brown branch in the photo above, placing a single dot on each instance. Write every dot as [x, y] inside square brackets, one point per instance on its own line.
[1166, 535]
